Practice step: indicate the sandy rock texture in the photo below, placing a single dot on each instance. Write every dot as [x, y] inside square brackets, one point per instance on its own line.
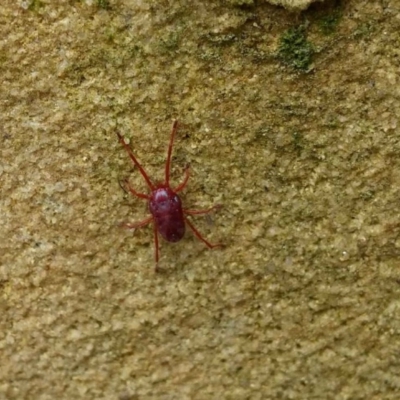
[293, 5]
[289, 120]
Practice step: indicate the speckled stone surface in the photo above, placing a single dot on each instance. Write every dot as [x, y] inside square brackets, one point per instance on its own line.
[302, 303]
[293, 5]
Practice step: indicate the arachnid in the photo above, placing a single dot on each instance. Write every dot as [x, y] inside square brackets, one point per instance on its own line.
[167, 214]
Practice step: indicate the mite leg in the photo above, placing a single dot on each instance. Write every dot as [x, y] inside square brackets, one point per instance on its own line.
[185, 181]
[127, 186]
[135, 161]
[200, 237]
[200, 212]
[156, 252]
[171, 143]
[137, 225]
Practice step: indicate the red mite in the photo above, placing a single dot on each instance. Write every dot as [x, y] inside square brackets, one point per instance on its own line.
[167, 214]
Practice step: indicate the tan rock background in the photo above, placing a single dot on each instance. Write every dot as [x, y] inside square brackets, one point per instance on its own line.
[304, 301]
[293, 5]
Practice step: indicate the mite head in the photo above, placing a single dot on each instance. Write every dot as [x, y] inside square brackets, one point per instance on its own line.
[164, 201]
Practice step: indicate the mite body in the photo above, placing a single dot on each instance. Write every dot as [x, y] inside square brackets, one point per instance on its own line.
[167, 214]
[166, 208]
